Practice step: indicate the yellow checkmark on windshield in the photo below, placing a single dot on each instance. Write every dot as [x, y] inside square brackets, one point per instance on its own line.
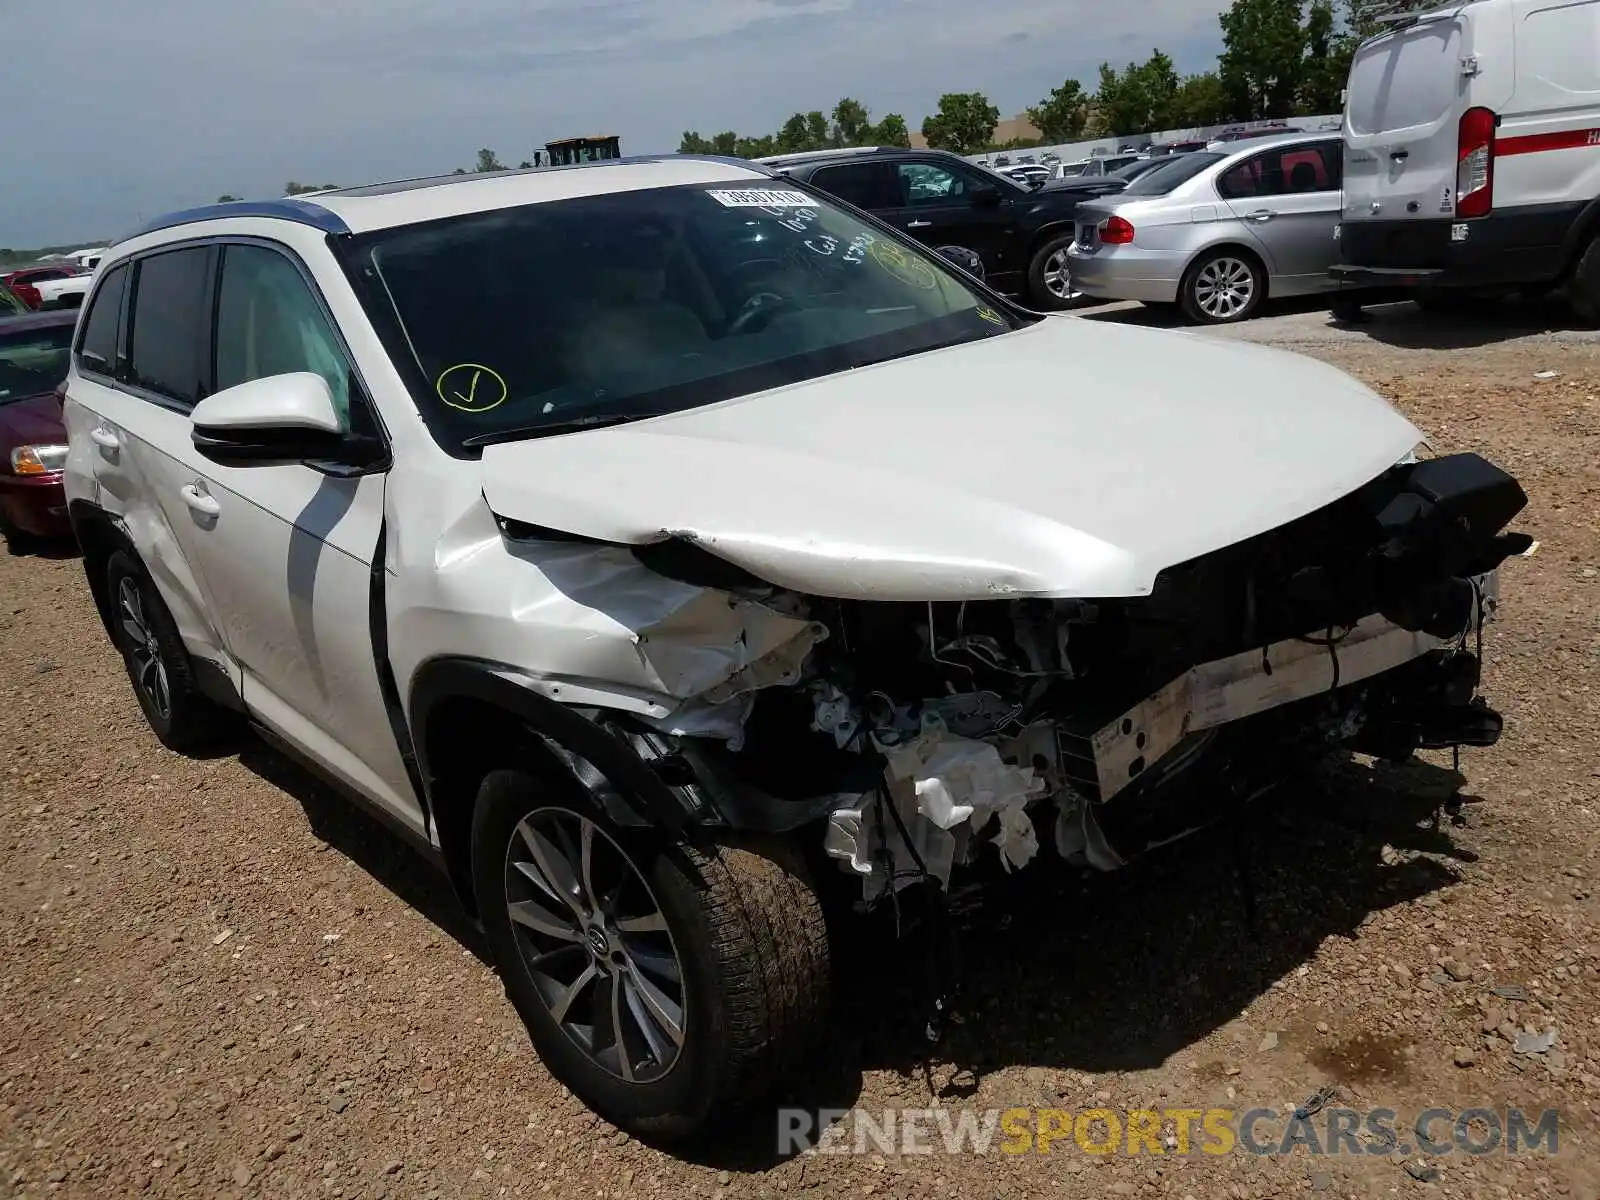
[471, 387]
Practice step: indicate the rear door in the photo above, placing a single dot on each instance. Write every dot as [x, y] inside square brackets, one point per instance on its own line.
[1287, 198]
[143, 364]
[1406, 94]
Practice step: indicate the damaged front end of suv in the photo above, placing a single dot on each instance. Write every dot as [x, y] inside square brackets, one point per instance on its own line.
[916, 736]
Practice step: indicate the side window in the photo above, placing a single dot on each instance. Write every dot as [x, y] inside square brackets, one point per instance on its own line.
[98, 346]
[269, 322]
[1333, 163]
[866, 185]
[168, 346]
[924, 183]
[1278, 172]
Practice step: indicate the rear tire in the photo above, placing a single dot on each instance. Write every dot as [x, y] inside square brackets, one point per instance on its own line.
[1583, 289]
[1223, 286]
[158, 665]
[732, 940]
[1050, 279]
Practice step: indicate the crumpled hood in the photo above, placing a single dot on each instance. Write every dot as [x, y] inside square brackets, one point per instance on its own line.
[1070, 458]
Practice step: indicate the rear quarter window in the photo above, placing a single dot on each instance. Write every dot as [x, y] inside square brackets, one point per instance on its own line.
[97, 348]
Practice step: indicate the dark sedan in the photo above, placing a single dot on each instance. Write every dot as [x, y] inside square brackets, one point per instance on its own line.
[34, 350]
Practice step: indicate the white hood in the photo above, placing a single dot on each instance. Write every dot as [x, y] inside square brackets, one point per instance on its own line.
[1071, 458]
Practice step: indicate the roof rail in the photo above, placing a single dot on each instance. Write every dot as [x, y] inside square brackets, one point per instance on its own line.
[296, 210]
[1395, 12]
[803, 155]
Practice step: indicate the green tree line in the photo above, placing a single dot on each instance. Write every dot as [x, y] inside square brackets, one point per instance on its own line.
[1279, 58]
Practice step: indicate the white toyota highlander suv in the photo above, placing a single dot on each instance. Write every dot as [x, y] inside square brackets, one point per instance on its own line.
[667, 548]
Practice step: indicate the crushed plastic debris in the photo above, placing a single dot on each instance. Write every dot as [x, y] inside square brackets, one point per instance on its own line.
[1535, 1043]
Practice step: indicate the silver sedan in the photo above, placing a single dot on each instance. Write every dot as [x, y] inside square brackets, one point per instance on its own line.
[1217, 231]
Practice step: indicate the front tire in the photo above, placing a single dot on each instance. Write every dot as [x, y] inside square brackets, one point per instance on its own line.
[158, 665]
[1050, 277]
[1223, 286]
[666, 986]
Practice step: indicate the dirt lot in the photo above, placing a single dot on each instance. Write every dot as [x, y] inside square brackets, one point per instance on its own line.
[218, 981]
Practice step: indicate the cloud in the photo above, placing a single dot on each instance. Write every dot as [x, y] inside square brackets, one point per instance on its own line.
[168, 103]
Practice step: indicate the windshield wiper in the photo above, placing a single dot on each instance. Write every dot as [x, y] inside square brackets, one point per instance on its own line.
[548, 428]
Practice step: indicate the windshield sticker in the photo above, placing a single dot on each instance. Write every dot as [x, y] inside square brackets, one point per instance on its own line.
[471, 388]
[903, 265]
[988, 314]
[759, 198]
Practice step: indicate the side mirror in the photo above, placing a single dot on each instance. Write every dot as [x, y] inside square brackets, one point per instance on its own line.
[985, 195]
[279, 419]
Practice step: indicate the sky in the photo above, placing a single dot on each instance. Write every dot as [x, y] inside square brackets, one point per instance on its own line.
[124, 109]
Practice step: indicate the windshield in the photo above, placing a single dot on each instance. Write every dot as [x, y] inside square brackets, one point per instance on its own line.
[1171, 174]
[633, 304]
[33, 361]
[10, 302]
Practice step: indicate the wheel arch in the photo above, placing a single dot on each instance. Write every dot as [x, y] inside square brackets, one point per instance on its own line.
[1233, 246]
[472, 716]
[1047, 233]
[100, 535]
[1579, 234]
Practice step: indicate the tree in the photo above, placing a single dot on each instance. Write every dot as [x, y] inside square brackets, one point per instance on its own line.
[964, 122]
[1327, 61]
[1263, 53]
[524, 165]
[754, 147]
[795, 136]
[1060, 116]
[488, 162]
[1201, 100]
[851, 123]
[1139, 99]
[891, 131]
[819, 135]
[228, 198]
[300, 189]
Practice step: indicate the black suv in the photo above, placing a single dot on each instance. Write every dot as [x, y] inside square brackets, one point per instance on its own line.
[941, 199]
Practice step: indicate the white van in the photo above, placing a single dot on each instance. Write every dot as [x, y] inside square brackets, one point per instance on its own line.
[1472, 150]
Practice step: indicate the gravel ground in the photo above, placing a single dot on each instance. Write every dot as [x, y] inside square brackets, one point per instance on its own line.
[219, 981]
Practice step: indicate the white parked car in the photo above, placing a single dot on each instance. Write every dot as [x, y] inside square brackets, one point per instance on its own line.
[662, 548]
[66, 292]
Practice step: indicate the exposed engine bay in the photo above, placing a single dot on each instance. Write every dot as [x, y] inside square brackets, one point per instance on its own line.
[921, 736]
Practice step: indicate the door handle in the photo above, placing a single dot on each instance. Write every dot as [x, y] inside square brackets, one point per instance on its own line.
[918, 224]
[1260, 214]
[1399, 155]
[104, 438]
[198, 499]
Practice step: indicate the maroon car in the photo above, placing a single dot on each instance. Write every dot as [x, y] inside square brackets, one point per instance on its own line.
[34, 350]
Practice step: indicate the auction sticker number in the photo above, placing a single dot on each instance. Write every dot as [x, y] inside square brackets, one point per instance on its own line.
[760, 198]
[471, 388]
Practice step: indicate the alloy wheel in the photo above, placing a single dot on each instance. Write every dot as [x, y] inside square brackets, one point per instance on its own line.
[149, 671]
[1058, 276]
[1224, 288]
[596, 943]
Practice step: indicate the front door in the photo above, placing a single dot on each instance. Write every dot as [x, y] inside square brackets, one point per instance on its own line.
[288, 555]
